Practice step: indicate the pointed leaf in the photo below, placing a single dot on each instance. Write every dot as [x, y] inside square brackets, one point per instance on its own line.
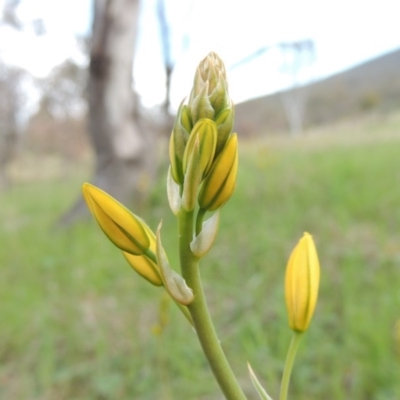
[173, 194]
[202, 243]
[261, 391]
[174, 284]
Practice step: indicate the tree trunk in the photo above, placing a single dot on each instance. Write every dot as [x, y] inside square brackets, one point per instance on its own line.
[11, 102]
[124, 149]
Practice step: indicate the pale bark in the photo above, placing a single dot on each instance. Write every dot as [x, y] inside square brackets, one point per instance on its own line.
[123, 146]
[11, 101]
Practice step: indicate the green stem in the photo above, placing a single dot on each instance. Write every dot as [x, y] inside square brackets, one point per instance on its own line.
[200, 314]
[184, 309]
[291, 354]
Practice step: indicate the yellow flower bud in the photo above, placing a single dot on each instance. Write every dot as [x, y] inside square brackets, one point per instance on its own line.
[193, 178]
[143, 265]
[205, 132]
[301, 283]
[220, 183]
[121, 226]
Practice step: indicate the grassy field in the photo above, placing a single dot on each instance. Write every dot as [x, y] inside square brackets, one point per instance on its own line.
[77, 323]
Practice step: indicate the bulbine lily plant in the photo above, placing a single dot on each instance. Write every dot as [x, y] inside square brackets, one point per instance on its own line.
[203, 154]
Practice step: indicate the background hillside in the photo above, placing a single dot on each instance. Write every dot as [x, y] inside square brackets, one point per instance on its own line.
[371, 86]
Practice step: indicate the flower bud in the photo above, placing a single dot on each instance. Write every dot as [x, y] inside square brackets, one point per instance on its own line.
[205, 132]
[193, 178]
[200, 134]
[179, 137]
[200, 106]
[224, 121]
[220, 183]
[143, 265]
[209, 95]
[301, 284]
[218, 96]
[121, 226]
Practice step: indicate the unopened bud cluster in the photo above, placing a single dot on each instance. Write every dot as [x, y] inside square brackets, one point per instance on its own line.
[203, 149]
[204, 161]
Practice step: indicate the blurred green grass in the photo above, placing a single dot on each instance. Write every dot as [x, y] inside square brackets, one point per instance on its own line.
[77, 323]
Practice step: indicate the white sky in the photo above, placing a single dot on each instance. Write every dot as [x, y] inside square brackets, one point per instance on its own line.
[345, 32]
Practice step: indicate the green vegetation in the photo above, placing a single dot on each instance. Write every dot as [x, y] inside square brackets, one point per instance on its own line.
[77, 323]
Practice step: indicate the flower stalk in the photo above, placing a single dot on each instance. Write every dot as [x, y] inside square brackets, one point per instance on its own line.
[200, 315]
[287, 371]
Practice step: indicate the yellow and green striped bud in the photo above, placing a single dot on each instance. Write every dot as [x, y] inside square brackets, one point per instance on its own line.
[145, 267]
[179, 137]
[301, 284]
[220, 183]
[205, 133]
[201, 132]
[143, 264]
[122, 227]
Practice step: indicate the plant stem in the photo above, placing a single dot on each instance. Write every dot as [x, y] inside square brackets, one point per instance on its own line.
[200, 314]
[183, 308]
[291, 354]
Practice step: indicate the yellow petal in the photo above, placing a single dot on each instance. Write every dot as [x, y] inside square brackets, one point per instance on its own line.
[144, 267]
[301, 283]
[121, 226]
[204, 133]
[220, 183]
